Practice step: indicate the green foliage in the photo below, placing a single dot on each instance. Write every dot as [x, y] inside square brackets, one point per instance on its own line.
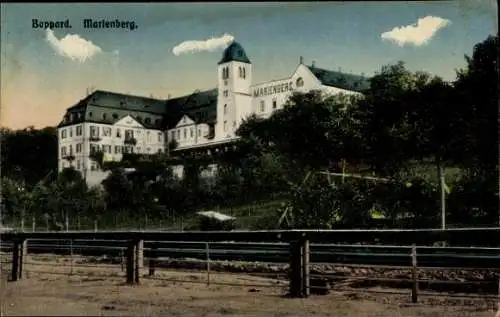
[29, 155]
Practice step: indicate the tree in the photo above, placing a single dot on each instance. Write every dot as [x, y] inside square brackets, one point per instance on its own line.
[475, 105]
[29, 154]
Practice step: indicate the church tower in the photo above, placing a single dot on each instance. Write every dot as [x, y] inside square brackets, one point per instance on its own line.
[234, 99]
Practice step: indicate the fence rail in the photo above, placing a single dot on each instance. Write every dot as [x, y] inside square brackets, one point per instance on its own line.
[293, 262]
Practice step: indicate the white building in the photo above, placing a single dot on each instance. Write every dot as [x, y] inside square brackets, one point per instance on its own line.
[116, 123]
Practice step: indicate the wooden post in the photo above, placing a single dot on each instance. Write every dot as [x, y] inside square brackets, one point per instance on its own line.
[131, 262]
[414, 274]
[71, 256]
[33, 224]
[153, 254]
[95, 225]
[139, 259]
[295, 273]
[207, 251]
[306, 290]
[19, 248]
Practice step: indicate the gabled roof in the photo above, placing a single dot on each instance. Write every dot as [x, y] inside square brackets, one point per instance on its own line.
[340, 80]
[109, 107]
[201, 106]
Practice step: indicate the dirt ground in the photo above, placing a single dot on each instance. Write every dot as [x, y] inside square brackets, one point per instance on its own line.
[100, 291]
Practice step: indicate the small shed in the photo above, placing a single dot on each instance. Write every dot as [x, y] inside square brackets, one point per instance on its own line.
[215, 221]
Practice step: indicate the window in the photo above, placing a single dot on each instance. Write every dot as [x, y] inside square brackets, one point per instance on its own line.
[262, 106]
[90, 114]
[63, 134]
[160, 136]
[70, 132]
[118, 149]
[173, 135]
[148, 120]
[234, 124]
[118, 133]
[191, 132]
[199, 132]
[104, 116]
[139, 119]
[185, 133]
[225, 93]
[225, 126]
[63, 151]
[148, 149]
[115, 116]
[79, 130]
[225, 109]
[274, 104]
[106, 131]
[299, 82]
[79, 147]
[93, 148]
[78, 164]
[244, 73]
[129, 134]
[94, 131]
[241, 72]
[104, 149]
[178, 134]
[70, 149]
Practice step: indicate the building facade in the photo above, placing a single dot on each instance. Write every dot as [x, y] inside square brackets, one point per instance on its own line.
[114, 123]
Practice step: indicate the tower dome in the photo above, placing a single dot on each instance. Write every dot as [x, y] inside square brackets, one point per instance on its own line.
[234, 52]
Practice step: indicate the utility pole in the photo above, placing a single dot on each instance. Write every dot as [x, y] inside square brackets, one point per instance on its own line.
[442, 186]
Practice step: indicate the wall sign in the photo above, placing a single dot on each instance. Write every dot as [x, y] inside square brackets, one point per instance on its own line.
[273, 89]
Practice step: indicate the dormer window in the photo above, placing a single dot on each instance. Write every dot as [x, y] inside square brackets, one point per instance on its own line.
[104, 116]
[300, 82]
[115, 116]
[157, 122]
[139, 119]
[148, 120]
[90, 114]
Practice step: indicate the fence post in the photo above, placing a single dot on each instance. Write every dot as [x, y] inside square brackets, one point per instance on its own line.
[305, 268]
[414, 274]
[95, 225]
[131, 258]
[153, 253]
[139, 259]
[296, 286]
[18, 255]
[71, 256]
[207, 251]
[33, 223]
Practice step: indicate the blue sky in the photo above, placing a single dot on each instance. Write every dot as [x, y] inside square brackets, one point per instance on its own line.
[43, 74]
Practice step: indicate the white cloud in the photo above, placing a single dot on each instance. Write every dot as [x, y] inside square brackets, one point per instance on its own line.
[416, 34]
[72, 46]
[210, 44]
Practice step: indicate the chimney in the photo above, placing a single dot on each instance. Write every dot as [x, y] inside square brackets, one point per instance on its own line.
[312, 64]
[301, 60]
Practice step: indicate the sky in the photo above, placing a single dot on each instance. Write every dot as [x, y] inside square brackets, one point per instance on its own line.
[173, 48]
